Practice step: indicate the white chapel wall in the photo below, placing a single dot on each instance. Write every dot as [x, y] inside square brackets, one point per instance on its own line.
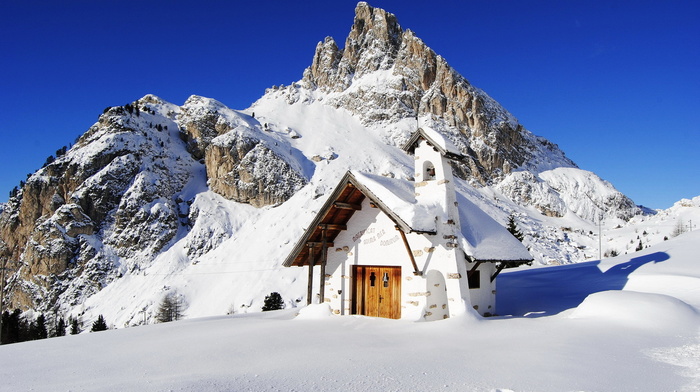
[372, 239]
[484, 298]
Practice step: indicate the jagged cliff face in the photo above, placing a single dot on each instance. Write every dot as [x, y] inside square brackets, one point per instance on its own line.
[115, 189]
[122, 194]
[385, 74]
[241, 163]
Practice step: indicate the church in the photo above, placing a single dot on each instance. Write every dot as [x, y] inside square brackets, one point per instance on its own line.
[416, 250]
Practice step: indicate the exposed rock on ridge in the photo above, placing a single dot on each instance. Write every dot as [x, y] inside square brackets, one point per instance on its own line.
[385, 74]
[558, 191]
[241, 163]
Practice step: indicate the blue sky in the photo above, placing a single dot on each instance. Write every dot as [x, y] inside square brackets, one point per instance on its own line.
[616, 84]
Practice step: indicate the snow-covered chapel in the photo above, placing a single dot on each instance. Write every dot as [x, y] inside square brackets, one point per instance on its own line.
[416, 250]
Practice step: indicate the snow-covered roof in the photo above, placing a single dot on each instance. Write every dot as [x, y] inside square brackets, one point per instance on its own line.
[481, 238]
[398, 197]
[394, 197]
[435, 139]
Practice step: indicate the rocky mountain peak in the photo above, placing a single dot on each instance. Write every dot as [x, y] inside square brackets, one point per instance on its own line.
[386, 74]
[122, 193]
[372, 44]
[373, 41]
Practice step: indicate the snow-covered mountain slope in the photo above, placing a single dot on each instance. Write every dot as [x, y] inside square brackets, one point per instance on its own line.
[557, 191]
[229, 257]
[640, 334]
[207, 201]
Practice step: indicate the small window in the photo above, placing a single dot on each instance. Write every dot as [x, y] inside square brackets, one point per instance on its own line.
[385, 279]
[475, 280]
[372, 279]
[428, 171]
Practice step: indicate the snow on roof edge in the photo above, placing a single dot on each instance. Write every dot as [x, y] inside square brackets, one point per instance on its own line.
[435, 139]
[484, 239]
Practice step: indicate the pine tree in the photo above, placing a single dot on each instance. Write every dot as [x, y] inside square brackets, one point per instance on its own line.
[74, 327]
[273, 302]
[61, 327]
[31, 332]
[99, 325]
[513, 228]
[41, 331]
[170, 308]
[49, 160]
[5, 327]
[12, 326]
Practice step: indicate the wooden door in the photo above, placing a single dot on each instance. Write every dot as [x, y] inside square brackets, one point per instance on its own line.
[377, 291]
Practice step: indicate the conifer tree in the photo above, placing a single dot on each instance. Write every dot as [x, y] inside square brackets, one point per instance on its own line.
[170, 308]
[13, 327]
[30, 331]
[273, 302]
[513, 228]
[99, 325]
[4, 333]
[74, 327]
[61, 327]
[41, 331]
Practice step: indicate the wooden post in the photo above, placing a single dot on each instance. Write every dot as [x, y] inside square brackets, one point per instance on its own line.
[410, 253]
[471, 271]
[324, 256]
[498, 270]
[310, 290]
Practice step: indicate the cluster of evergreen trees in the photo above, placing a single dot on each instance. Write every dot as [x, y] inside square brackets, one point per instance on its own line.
[16, 328]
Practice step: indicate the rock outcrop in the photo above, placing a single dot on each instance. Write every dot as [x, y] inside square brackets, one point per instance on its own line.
[246, 170]
[241, 163]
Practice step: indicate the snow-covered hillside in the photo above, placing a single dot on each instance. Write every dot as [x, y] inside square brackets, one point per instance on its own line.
[625, 324]
[224, 256]
[231, 256]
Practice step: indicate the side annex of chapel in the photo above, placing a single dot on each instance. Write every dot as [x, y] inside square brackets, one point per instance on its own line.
[414, 250]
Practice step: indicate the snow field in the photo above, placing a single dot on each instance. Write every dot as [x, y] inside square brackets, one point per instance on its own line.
[613, 340]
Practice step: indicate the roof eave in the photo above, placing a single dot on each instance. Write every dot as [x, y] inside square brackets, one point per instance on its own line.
[380, 204]
[347, 178]
[513, 262]
[410, 145]
[289, 261]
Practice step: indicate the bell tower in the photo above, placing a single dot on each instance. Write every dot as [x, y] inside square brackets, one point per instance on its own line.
[436, 197]
[434, 182]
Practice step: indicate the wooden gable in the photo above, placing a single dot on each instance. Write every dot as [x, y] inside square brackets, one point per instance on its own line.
[333, 217]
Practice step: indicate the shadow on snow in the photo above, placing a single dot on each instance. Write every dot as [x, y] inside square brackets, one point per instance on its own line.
[551, 290]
